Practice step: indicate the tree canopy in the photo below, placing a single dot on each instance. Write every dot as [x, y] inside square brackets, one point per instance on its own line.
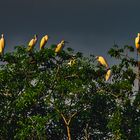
[58, 96]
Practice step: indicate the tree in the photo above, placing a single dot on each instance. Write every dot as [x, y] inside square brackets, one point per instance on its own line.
[43, 96]
[125, 121]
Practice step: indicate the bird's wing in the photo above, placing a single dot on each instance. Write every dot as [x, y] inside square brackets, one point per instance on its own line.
[1, 48]
[2, 42]
[2, 45]
[103, 61]
[31, 43]
[108, 75]
[137, 42]
[42, 43]
[58, 48]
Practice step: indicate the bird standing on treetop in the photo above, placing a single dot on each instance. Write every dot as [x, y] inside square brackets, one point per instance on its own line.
[137, 42]
[43, 41]
[108, 75]
[2, 44]
[102, 61]
[32, 43]
[60, 46]
[72, 62]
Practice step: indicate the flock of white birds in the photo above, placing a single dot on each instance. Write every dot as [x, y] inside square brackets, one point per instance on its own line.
[33, 42]
[61, 45]
[43, 42]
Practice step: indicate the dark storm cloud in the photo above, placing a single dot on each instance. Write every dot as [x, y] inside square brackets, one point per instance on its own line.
[89, 25]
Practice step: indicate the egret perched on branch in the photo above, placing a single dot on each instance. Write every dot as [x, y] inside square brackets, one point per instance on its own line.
[108, 75]
[137, 42]
[2, 44]
[102, 61]
[32, 43]
[43, 41]
[60, 46]
[72, 62]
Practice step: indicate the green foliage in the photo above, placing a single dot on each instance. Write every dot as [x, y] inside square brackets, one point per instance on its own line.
[42, 96]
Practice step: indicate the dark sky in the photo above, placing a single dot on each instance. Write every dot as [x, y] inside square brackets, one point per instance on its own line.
[91, 26]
